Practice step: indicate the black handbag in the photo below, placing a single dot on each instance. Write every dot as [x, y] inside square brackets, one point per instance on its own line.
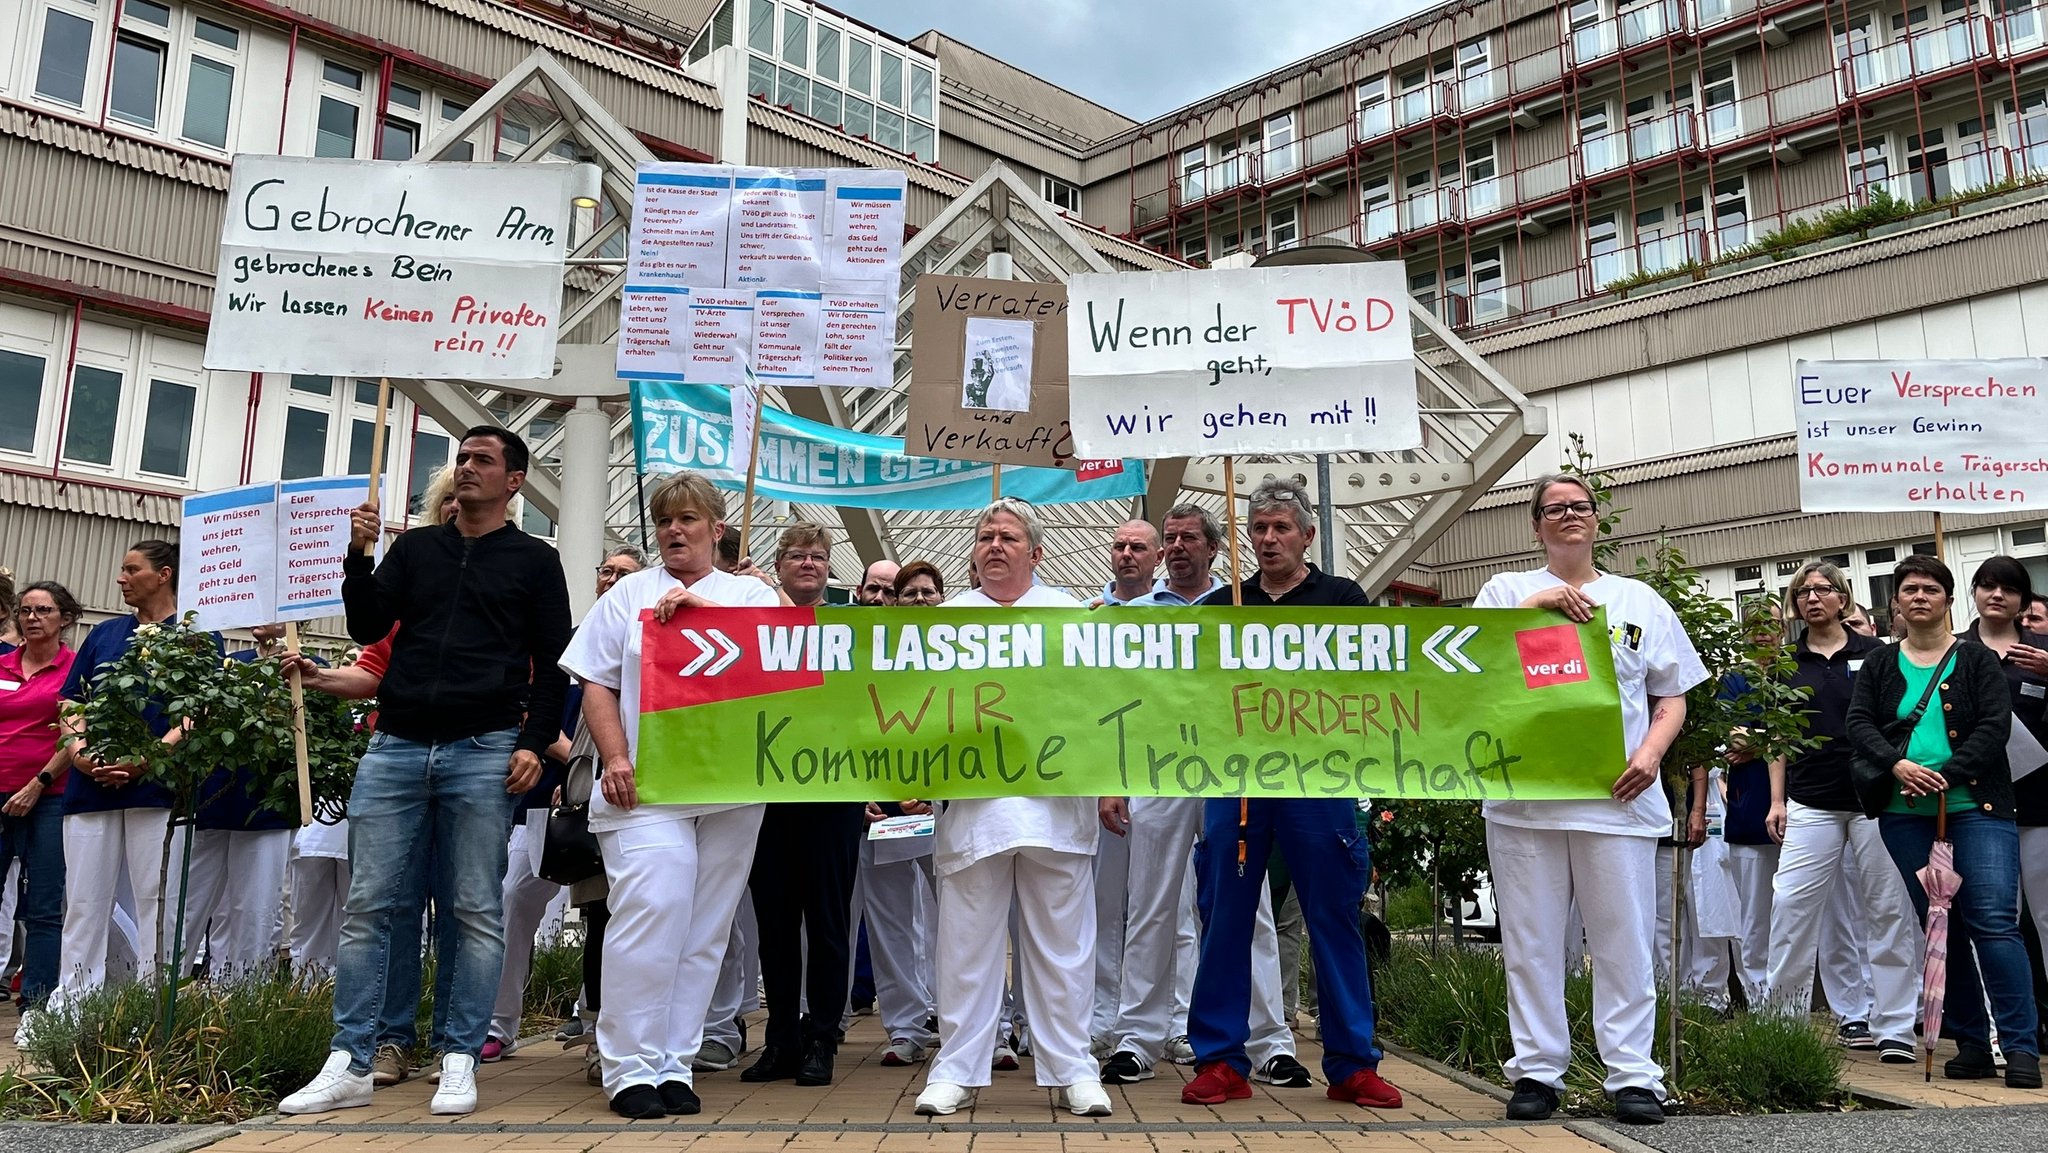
[569, 853]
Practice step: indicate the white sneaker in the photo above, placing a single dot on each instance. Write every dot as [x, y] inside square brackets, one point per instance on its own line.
[941, 1098]
[457, 1093]
[903, 1051]
[1004, 1059]
[334, 1088]
[1179, 1051]
[1087, 1099]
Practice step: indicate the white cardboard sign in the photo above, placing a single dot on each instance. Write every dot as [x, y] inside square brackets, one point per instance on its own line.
[1921, 435]
[1256, 360]
[795, 271]
[266, 552]
[382, 268]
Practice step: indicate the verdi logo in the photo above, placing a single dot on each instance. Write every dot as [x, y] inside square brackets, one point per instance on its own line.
[1551, 656]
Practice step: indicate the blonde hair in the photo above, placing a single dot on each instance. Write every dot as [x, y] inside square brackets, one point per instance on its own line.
[802, 534]
[440, 487]
[680, 491]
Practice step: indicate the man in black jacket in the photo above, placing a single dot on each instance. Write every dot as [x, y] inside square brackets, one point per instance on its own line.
[473, 695]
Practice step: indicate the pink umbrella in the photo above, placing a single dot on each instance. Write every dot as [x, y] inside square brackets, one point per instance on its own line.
[1941, 881]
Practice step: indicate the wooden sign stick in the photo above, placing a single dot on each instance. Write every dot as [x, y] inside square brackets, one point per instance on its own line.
[753, 466]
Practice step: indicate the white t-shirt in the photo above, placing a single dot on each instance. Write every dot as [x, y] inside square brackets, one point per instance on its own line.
[1652, 658]
[978, 828]
[606, 651]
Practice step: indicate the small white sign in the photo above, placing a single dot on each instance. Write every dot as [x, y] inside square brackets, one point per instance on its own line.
[901, 828]
[997, 368]
[263, 553]
[1256, 360]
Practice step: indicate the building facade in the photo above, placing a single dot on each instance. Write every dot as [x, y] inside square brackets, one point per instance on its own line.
[1640, 212]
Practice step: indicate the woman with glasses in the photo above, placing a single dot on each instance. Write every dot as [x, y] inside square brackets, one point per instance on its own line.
[1927, 725]
[32, 777]
[1832, 851]
[920, 583]
[1599, 854]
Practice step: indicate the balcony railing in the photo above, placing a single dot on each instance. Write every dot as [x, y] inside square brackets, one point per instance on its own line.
[1481, 90]
[1672, 133]
[2022, 30]
[1918, 56]
[1707, 13]
[1654, 255]
[1429, 102]
[1149, 209]
[1966, 173]
[1379, 224]
[1429, 208]
[1625, 30]
[1373, 121]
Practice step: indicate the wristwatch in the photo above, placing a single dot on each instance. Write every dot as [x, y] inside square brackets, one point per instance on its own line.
[46, 778]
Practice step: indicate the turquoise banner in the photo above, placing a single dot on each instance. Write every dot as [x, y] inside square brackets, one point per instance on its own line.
[680, 426]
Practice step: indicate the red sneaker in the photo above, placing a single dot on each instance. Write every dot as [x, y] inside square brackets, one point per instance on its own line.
[1365, 1088]
[1214, 1084]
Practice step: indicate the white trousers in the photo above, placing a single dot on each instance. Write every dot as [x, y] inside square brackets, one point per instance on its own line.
[1055, 900]
[533, 908]
[675, 886]
[10, 889]
[1825, 851]
[1157, 894]
[2034, 875]
[1704, 963]
[901, 945]
[237, 887]
[1270, 1036]
[101, 850]
[1537, 875]
[319, 886]
[1845, 977]
[1115, 858]
[1753, 866]
[1187, 955]
[738, 989]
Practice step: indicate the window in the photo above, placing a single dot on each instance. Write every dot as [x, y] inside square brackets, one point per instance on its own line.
[1376, 207]
[1719, 100]
[825, 105]
[921, 141]
[1283, 228]
[793, 91]
[1193, 162]
[921, 91]
[796, 39]
[1869, 167]
[305, 443]
[761, 26]
[140, 49]
[717, 33]
[860, 118]
[889, 80]
[860, 68]
[760, 77]
[1483, 191]
[1604, 249]
[210, 82]
[167, 429]
[450, 113]
[66, 53]
[341, 89]
[1195, 249]
[1238, 240]
[429, 452]
[94, 416]
[513, 138]
[826, 66]
[1375, 117]
[1489, 287]
[1281, 155]
[889, 129]
[1059, 194]
[316, 411]
[21, 396]
[402, 116]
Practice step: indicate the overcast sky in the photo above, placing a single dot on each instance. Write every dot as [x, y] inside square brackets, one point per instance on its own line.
[1139, 57]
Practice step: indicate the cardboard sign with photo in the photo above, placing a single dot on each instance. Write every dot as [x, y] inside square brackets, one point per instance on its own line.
[988, 372]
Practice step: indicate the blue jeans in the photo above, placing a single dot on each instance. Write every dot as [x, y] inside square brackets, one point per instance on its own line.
[1986, 914]
[438, 814]
[399, 1023]
[1330, 864]
[36, 838]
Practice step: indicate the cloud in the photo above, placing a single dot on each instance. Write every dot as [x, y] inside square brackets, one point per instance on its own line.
[1142, 58]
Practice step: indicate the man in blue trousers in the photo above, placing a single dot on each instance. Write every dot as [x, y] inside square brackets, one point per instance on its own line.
[1319, 839]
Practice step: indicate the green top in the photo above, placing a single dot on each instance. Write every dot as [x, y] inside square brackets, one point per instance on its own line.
[1928, 746]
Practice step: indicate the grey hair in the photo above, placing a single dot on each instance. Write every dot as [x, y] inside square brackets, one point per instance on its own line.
[1543, 484]
[1211, 531]
[1829, 573]
[1279, 494]
[1034, 530]
[630, 552]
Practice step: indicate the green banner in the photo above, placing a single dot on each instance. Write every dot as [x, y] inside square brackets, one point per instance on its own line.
[787, 704]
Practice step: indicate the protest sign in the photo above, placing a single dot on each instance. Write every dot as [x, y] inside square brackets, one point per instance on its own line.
[380, 268]
[893, 704]
[689, 426]
[1255, 360]
[266, 552]
[1921, 435]
[794, 271]
[988, 372]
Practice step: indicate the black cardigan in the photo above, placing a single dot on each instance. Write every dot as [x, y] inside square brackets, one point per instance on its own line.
[1979, 711]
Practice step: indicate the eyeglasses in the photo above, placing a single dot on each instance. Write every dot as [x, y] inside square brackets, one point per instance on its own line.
[1814, 592]
[918, 594]
[614, 572]
[1575, 508]
[801, 557]
[37, 611]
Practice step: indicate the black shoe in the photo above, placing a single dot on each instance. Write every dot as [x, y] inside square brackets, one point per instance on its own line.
[1896, 1053]
[1283, 1071]
[1124, 1068]
[816, 1068]
[2022, 1071]
[1533, 1101]
[1970, 1063]
[776, 1064]
[1637, 1106]
[639, 1103]
[1855, 1035]
[680, 1100]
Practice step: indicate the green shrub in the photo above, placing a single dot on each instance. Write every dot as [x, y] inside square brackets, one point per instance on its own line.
[1408, 907]
[1453, 1007]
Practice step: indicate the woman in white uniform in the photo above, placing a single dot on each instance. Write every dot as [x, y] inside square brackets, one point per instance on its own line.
[676, 871]
[1036, 851]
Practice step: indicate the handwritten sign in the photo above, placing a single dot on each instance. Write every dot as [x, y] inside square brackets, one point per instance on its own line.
[1921, 435]
[690, 426]
[988, 372]
[266, 552]
[1200, 363]
[1065, 702]
[381, 268]
[792, 270]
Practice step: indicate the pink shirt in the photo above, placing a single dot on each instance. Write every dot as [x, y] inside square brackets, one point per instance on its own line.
[28, 717]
